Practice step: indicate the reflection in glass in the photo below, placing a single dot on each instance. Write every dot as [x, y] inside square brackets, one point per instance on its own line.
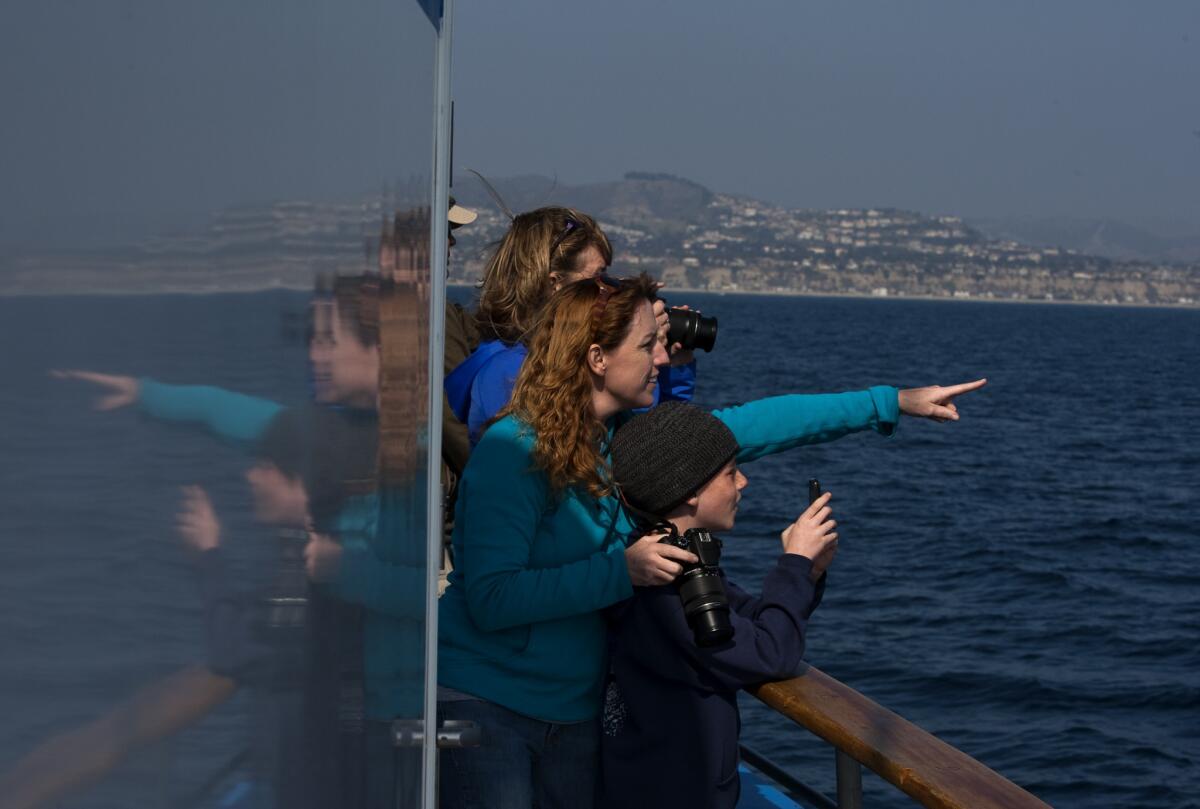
[214, 579]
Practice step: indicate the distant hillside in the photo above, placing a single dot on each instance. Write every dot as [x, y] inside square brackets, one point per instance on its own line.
[1097, 237]
[689, 236]
[666, 203]
[657, 201]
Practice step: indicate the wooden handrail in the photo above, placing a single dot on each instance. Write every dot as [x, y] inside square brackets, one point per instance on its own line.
[932, 772]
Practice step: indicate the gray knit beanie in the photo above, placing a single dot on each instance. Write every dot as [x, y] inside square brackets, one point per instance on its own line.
[662, 457]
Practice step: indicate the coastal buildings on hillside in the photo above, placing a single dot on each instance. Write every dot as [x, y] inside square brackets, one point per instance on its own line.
[748, 246]
[677, 231]
[284, 245]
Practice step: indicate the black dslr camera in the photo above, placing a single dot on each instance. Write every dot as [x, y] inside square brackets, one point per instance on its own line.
[285, 603]
[705, 604]
[691, 329]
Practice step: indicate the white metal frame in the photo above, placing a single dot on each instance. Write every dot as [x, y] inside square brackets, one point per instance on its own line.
[437, 348]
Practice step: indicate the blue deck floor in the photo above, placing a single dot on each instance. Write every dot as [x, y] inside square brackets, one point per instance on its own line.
[760, 793]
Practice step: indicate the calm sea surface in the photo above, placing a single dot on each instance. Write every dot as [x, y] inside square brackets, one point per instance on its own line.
[1025, 583]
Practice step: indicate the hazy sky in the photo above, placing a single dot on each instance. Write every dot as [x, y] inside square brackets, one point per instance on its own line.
[131, 112]
[1080, 107]
[128, 114]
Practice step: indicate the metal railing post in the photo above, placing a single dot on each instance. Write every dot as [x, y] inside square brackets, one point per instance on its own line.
[849, 782]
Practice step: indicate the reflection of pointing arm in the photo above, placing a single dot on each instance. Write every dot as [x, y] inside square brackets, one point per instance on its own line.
[234, 416]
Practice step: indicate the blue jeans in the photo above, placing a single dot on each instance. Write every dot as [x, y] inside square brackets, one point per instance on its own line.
[521, 763]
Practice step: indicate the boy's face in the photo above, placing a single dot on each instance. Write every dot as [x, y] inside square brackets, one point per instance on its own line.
[716, 502]
[344, 370]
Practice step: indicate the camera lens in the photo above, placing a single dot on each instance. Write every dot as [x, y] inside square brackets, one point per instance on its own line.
[705, 606]
[691, 329]
[712, 626]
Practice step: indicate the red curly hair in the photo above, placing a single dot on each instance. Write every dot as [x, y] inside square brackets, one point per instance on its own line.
[553, 391]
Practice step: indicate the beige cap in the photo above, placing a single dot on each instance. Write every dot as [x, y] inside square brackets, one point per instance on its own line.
[459, 216]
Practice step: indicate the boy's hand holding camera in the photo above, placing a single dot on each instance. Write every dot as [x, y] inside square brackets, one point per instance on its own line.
[813, 535]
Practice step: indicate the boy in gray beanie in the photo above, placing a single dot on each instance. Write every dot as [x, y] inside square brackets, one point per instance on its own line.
[671, 720]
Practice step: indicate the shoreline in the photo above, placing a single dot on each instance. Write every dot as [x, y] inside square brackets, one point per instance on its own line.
[235, 290]
[901, 298]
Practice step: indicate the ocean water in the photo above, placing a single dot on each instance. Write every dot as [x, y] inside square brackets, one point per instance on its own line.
[1024, 583]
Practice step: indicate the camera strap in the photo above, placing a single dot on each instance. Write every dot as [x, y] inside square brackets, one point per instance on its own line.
[643, 520]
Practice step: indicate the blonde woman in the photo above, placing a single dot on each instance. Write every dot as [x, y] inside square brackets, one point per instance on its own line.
[542, 544]
[542, 251]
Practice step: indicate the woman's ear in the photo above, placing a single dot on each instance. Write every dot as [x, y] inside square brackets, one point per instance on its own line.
[556, 280]
[596, 360]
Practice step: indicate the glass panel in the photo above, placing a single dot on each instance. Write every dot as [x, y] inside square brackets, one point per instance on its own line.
[214, 292]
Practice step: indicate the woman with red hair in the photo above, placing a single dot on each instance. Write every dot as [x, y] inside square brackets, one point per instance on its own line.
[542, 545]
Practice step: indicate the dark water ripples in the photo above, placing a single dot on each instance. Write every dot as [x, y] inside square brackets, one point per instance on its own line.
[1024, 583]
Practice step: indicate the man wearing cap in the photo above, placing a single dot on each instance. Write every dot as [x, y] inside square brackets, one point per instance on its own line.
[459, 216]
[670, 717]
[462, 338]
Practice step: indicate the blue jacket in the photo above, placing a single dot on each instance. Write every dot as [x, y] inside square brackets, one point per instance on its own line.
[671, 707]
[482, 385]
[520, 623]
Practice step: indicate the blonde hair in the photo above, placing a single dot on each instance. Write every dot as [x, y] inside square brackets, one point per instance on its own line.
[516, 283]
[553, 392]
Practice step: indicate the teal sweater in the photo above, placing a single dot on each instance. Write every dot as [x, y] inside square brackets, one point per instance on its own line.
[520, 624]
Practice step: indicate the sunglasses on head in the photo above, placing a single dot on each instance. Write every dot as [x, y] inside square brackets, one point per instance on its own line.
[570, 226]
[608, 285]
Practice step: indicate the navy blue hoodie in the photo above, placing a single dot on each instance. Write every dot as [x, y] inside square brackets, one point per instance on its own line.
[671, 720]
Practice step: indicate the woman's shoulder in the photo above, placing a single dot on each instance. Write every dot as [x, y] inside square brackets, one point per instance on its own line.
[504, 453]
[506, 434]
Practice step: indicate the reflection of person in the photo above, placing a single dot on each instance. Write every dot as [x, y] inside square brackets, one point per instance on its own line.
[671, 719]
[242, 650]
[315, 724]
[344, 366]
[297, 647]
[542, 546]
[542, 250]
